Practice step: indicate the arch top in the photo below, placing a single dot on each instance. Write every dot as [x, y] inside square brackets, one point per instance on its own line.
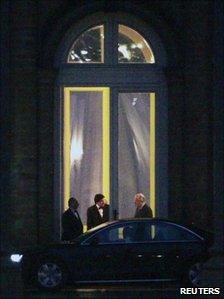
[132, 47]
[89, 47]
[111, 39]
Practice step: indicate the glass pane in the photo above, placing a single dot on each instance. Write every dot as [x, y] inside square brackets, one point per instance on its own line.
[168, 232]
[89, 47]
[132, 47]
[86, 147]
[124, 233]
[133, 150]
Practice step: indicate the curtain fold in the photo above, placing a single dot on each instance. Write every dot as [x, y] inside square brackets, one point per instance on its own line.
[86, 148]
[133, 149]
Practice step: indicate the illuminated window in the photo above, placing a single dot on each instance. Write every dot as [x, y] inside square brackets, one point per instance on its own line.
[132, 47]
[88, 47]
[113, 116]
[86, 147]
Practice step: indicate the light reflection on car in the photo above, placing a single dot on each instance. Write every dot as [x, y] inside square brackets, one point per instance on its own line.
[131, 250]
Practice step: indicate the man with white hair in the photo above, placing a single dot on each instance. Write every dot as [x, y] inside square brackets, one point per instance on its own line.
[142, 209]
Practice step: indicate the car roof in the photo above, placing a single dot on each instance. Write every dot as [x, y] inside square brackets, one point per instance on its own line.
[126, 220]
[104, 225]
[190, 227]
[156, 219]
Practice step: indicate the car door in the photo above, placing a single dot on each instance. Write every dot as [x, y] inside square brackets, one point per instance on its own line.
[142, 253]
[125, 255]
[111, 254]
[164, 253]
[151, 255]
[169, 246]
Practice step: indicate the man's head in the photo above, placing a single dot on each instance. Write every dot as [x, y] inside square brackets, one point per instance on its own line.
[139, 199]
[99, 200]
[73, 203]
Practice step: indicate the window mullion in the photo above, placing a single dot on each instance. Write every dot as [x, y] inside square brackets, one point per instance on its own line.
[111, 41]
[114, 150]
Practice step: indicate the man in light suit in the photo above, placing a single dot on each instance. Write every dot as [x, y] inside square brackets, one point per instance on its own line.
[72, 225]
[98, 213]
[142, 209]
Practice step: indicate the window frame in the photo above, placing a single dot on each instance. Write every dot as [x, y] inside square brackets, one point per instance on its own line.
[116, 225]
[112, 33]
[179, 227]
[144, 41]
[145, 222]
[111, 21]
[119, 77]
[77, 39]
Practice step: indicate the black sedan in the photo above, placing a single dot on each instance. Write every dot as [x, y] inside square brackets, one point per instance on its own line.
[132, 250]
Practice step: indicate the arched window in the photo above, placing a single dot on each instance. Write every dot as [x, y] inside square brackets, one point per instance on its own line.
[113, 115]
[89, 47]
[132, 47]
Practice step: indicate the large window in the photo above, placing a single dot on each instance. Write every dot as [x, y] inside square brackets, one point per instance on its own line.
[86, 144]
[87, 153]
[136, 143]
[113, 131]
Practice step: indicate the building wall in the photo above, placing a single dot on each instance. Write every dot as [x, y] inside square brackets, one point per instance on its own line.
[32, 31]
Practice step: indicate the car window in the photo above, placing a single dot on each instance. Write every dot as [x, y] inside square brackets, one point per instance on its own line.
[167, 232]
[123, 233]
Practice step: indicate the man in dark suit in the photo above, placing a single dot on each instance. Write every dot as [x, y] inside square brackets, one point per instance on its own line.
[98, 213]
[142, 209]
[72, 225]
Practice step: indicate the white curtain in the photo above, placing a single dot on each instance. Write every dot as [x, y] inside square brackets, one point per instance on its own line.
[133, 149]
[86, 148]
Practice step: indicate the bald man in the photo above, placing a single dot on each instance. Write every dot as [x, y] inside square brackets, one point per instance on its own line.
[142, 209]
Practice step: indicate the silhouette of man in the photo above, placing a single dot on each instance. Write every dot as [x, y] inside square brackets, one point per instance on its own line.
[72, 225]
[98, 213]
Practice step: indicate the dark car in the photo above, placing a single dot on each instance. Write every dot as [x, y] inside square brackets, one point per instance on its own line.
[132, 250]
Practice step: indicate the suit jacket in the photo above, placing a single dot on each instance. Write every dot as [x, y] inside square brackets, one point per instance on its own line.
[94, 218]
[72, 226]
[144, 212]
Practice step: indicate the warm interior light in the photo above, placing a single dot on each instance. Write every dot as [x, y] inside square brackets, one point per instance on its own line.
[140, 45]
[124, 50]
[76, 149]
[140, 49]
